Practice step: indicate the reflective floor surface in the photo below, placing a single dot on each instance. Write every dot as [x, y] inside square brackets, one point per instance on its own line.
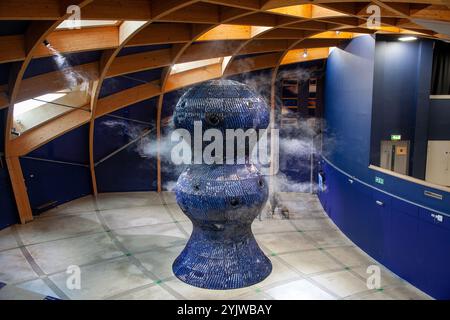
[124, 245]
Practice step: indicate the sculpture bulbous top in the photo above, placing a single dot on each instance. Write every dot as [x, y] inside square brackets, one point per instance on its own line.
[221, 104]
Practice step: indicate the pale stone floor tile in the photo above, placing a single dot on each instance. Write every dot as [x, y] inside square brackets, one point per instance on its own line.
[254, 295]
[328, 238]
[308, 262]
[123, 200]
[280, 273]
[7, 239]
[313, 224]
[145, 228]
[341, 283]
[15, 293]
[300, 289]
[351, 256]
[371, 295]
[160, 261]
[38, 286]
[406, 293]
[155, 292]
[176, 212]
[135, 216]
[56, 256]
[187, 226]
[169, 197]
[58, 228]
[14, 267]
[306, 214]
[105, 279]
[284, 242]
[272, 226]
[194, 293]
[388, 278]
[151, 237]
[84, 204]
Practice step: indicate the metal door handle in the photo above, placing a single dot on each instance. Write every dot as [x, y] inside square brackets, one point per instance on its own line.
[350, 180]
[380, 203]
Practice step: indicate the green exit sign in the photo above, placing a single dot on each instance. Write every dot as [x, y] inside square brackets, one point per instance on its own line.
[396, 137]
[379, 180]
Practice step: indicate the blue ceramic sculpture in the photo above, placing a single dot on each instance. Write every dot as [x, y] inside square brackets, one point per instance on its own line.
[221, 200]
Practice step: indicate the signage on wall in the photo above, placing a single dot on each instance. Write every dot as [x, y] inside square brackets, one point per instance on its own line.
[396, 137]
[379, 180]
[401, 151]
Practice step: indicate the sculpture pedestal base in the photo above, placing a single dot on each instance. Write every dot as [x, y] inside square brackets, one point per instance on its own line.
[222, 256]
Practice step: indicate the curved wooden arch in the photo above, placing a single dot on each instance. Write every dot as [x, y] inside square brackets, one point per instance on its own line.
[294, 25]
[108, 57]
[34, 38]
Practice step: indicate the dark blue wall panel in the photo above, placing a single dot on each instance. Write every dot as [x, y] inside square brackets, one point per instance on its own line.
[348, 104]
[13, 27]
[394, 222]
[439, 120]
[127, 171]
[8, 209]
[4, 72]
[70, 147]
[120, 83]
[408, 239]
[133, 168]
[401, 90]
[49, 183]
[48, 64]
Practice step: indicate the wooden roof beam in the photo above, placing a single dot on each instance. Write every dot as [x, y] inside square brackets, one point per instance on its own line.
[189, 77]
[127, 97]
[259, 62]
[33, 139]
[296, 55]
[209, 49]
[139, 62]
[162, 33]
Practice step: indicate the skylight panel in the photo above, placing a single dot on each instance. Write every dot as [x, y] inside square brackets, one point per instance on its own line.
[180, 67]
[70, 24]
[25, 106]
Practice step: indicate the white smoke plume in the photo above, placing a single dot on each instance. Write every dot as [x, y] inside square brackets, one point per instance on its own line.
[73, 77]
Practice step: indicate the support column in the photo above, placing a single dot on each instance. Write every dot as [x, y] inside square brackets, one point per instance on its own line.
[20, 189]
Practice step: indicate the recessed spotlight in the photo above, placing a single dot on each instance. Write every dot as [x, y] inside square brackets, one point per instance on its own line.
[338, 32]
[407, 38]
[305, 53]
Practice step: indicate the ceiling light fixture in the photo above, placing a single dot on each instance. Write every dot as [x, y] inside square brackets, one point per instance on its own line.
[305, 53]
[338, 32]
[407, 38]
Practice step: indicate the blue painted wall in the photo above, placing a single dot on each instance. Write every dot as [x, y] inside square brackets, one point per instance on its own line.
[133, 168]
[348, 114]
[8, 209]
[50, 184]
[401, 89]
[394, 222]
[439, 120]
[348, 105]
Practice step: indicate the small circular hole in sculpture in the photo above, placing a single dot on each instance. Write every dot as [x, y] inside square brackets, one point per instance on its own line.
[250, 104]
[261, 183]
[196, 187]
[234, 202]
[213, 119]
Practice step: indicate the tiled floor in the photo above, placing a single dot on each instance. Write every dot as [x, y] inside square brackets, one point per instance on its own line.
[125, 243]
